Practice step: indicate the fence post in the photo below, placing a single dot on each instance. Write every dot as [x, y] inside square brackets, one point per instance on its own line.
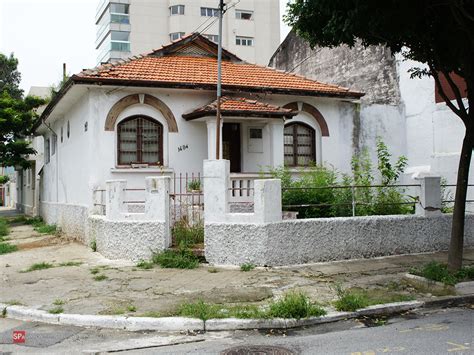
[353, 201]
[157, 198]
[216, 194]
[115, 196]
[267, 200]
[429, 203]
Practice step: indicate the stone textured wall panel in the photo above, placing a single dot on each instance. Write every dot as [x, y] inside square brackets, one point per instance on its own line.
[316, 240]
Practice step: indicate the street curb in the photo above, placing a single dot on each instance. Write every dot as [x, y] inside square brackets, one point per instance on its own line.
[171, 324]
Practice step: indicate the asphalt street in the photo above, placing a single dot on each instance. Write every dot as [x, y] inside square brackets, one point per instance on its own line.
[445, 331]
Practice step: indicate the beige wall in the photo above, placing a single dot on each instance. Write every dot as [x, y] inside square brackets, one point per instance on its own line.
[151, 26]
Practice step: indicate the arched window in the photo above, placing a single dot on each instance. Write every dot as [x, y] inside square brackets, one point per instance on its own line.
[300, 145]
[140, 141]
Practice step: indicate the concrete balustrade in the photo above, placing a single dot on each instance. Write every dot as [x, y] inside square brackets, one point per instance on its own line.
[267, 197]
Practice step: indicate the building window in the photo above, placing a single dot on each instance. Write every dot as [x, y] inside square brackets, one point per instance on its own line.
[213, 38]
[176, 35]
[300, 147]
[244, 41]
[243, 15]
[119, 13]
[140, 141]
[47, 152]
[62, 134]
[209, 12]
[68, 132]
[177, 10]
[120, 41]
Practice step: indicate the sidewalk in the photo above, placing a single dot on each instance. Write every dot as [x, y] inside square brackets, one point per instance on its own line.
[128, 290]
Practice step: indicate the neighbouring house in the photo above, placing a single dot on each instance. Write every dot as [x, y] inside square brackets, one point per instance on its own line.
[408, 114]
[154, 115]
[28, 180]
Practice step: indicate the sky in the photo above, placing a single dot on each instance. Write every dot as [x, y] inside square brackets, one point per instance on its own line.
[44, 34]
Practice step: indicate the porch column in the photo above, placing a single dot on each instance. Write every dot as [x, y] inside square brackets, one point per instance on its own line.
[276, 129]
[211, 139]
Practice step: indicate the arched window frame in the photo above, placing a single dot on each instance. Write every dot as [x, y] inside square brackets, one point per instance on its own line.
[313, 157]
[139, 140]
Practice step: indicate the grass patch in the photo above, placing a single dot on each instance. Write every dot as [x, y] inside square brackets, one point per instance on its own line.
[71, 263]
[350, 300]
[186, 235]
[292, 305]
[94, 270]
[295, 305]
[176, 259]
[247, 267]
[46, 228]
[151, 314]
[56, 310]
[93, 245]
[145, 265]
[4, 313]
[101, 277]
[6, 248]
[58, 302]
[39, 266]
[439, 272]
[14, 303]
[212, 270]
[4, 228]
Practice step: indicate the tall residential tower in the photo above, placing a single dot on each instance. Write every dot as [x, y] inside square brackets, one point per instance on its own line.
[130, 27]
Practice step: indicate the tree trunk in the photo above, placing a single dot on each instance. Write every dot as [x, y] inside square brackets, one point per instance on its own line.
[457, 231]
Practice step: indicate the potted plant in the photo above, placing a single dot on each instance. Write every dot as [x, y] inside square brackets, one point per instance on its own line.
[194, 186]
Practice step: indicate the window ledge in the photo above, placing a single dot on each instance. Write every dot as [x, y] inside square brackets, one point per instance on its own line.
[142, 170]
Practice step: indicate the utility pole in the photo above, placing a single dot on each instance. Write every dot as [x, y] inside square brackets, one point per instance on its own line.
[219, 82]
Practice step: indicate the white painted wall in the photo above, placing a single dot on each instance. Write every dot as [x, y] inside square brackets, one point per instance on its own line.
[86, 159]
[434, 133]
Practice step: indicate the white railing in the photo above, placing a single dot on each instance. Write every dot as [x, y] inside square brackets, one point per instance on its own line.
[241, 187]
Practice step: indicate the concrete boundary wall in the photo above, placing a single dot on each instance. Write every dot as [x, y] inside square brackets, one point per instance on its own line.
[72, 219]
[326, 239]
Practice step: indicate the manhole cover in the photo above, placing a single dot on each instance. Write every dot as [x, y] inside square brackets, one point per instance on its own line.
[257, 350]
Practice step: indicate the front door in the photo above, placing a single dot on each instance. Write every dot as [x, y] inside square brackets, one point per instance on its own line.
[231, 145]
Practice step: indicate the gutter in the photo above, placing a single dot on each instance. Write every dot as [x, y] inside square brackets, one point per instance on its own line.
[78, 80]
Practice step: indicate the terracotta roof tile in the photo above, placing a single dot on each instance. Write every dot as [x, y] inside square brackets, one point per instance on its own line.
[241, 107]
[167, 68]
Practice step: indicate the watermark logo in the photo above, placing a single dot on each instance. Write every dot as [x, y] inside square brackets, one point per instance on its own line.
[19, 336]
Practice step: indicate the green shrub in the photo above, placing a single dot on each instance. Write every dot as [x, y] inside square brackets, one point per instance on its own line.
[314, 186]
[93, 245]
[176, 259]
[4, 179]
[247, 267]
[350, 302]
[186, 235]
[6, 248]
[295, 305]
[4, 230]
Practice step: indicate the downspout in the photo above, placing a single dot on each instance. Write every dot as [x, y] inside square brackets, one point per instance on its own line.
[57, 159]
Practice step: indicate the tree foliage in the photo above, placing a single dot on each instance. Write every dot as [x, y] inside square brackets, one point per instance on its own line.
[10, 77]
[437, 33]
[16, 115]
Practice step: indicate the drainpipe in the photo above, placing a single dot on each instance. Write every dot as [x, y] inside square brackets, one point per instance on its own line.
[57, 159]
[219, 82]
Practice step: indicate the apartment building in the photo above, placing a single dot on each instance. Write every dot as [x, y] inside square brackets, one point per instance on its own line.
[251, 28]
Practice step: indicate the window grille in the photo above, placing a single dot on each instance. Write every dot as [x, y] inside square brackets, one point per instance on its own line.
[140, 141]
[300, 147]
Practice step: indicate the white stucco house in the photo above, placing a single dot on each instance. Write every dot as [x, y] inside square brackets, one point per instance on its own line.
[154, 115]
